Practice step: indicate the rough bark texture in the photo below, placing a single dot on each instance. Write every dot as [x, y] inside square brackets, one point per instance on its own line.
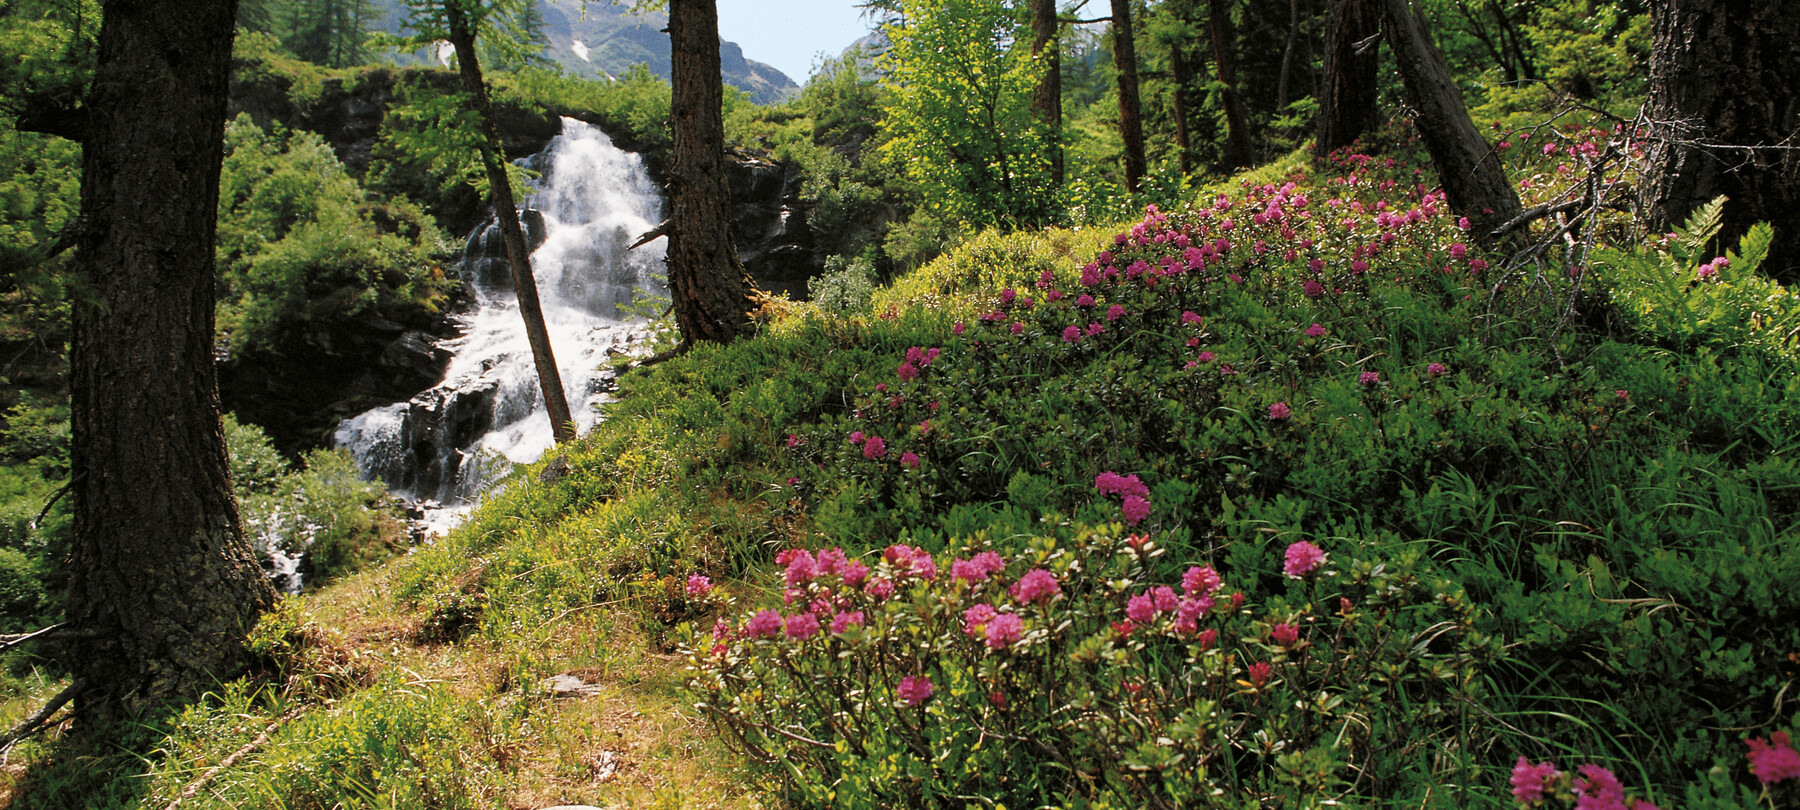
[1238, 152]
[1725, 74]
[1131, 125]
[1183, 75]
[1347, 103]
[518, 256]
[1474, 182]
[1047, 100]
[713, 295]
[161, 577]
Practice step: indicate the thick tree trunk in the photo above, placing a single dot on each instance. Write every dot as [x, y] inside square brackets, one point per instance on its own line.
[1724, 78]
[1347, 104]
[162, 585]
[518, 255]
[1474, 182]
[713, 295]
[1239, 153]
[1047, 101]
[1131, 125]
[1287, 56]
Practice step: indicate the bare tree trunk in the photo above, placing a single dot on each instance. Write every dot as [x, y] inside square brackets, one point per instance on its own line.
[1347, 104]
[1725, 78]
[1183, 75]
[163, 587]
[1047, 101]
[1287, 55]
[1131, 125]
[1239, 153]
[713, 295]
[1474, 182]
[518, 256]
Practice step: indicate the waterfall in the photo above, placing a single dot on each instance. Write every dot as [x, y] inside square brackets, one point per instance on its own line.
[449, 443]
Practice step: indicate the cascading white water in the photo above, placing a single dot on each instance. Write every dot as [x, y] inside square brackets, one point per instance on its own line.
[595, 199]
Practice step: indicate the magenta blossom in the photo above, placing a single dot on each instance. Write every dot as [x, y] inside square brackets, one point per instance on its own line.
[1774, 760]
[845, 621]
[1003, 630]
[1436, 369]
[1280, 412]
[1368, 378]
[914, 690]
[1315, 331]
[1200, 580]
[1190, 318]
[802, 626]
[977, 568]
[975, 619]
[1301, 559]
[698, 585]
[764, 624]
[1529, 781]
[874, 448]
[1285, 634]
[909, 460]
[1037, 585]
[1599, 789]
[1135, 509]
[1071, 334]
[1115, 312]
[1112, 483]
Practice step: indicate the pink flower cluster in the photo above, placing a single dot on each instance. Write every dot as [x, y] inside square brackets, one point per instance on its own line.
[1593, 788]
[1134, 502]
[977, 568]
[1774, 759]
[1302, 558]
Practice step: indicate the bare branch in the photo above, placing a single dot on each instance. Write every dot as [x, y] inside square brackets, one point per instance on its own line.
[36, 722]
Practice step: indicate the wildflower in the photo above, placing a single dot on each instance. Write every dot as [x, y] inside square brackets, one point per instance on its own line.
[793, 481]
[1208, 638]
[1529, 781]
[698, 585]
[874, 448]
[1164, 597]
[1774, 760]
[978, 567]
[1313, 288]
[1112, 483]
[845, 621]
[1095, 329]
[909, 460]
[802, 626]
[958, 328]
[1368, 378]
[1200, 580]
[764, 624]
[914, 690]
[1003, 630]
[1436, 369]
[1315, 331]
[1190, 318]
[794, 441]
[907, 371]
[1017, 328]
[1007, 295]
[1301, 559]
[1115, 312]
[801, 567]
[1135, 509]
[1084, 301]
[1205, 357]
[1285, 634]
[1141, 608]
[1259, 673]
[1599, 789]
[856, 437]
[1189, 612]
[1037, 585]
[853, 573]
[879, 588]
[1071, 334]
[1280, 412]
[1459, 250]
[975, 619]
[721, 629]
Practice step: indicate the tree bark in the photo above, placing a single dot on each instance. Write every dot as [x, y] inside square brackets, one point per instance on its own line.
[1239, 153]
[1131, 126]
[518, 255]
[163, 587]
[1347, 104]
[1724, 79]
[1183, 75]
[1474, 182]
[1047, 101]
[713, 296]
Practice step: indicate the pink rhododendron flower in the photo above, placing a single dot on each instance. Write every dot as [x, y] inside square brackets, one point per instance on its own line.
[909, 459]
[1301, 558]
[958, 328]
[1071, 334]
[1774, 760]
[1280, 412]
[1094, 329]
[1037, 585]
[1259, 673]
[907, 371]
[1200, 580]
[802, 626]
[1189, 612]
[1205, 357]
[1313, 289]
[1599, 789]
[977, 568]
[794, 441]
[1208, 638]
[1112, 483]
[1529, 781]
[1135, 509]
[1017, 328]
[1315, 331]
[1003, 630]
[914, 690]
[1115, 312]
[698, 585]
[1459, 250]
[1141, 608]
[1436, 369]
[1285, 634]
[975, 619]
[853, 572]
[1084, 301]
[874, 448]
[764, 624]
[845, 621]
[1190, 318]
[879, 588]
[856, 437]
[1368, 378]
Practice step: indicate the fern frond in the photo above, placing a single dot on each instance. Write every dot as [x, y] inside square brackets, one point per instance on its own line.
[1701, 226]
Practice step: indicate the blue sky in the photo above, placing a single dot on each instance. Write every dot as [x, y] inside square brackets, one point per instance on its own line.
[790, 34]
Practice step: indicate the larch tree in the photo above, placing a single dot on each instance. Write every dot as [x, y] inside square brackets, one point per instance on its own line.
[1131, 119]
[1047, 99]
[1723, 114]
[1239, 153]
[163, 586]
[1347, 101]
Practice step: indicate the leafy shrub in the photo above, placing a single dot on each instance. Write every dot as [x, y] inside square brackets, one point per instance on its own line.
[844, 288]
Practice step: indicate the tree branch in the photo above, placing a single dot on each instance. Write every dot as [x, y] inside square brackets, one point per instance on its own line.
[35, 722]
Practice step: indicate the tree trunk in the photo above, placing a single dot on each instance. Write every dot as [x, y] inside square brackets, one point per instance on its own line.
[518, 255]
[1724, 78]
[1047, 101]
[1183, 75]
[162, 584]
[713, 295]
[1131, 126]
[1474, 182]
[1239, 153]
[1287, 56]
[1347, 105]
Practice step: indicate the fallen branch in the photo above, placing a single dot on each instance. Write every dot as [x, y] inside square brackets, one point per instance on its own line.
[36, 722]
[194, 787]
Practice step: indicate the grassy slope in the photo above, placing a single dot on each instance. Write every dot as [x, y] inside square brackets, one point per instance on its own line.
[1576, 517]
